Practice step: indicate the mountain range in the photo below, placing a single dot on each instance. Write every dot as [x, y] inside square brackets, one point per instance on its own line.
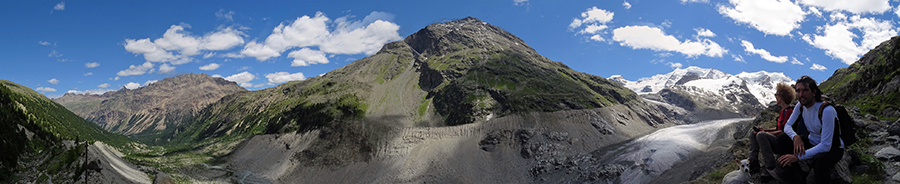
[461, 101]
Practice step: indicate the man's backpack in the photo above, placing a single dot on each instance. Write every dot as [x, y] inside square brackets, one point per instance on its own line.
[844, 126]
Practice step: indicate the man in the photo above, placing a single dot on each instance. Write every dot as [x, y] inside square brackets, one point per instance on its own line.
[824, 148]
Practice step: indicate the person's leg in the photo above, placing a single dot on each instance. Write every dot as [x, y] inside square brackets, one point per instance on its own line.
[823, 164]
[766, 142]
[754, 153]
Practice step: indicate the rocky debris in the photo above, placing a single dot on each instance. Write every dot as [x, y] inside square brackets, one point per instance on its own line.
[601, 124]
[890, 112]
[493, 138]
[888, 153]
[163, 178]
[894, 129]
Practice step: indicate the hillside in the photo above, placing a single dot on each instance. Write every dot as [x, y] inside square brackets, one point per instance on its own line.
[34, 129]
[872, 83]
[151, 109]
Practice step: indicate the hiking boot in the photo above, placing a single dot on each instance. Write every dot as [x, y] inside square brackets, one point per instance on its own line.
[774, 175]
[754, 166]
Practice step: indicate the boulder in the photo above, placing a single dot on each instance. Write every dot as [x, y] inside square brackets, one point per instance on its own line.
[888, 153]
[871, 117]
[896, 177]
[890, 112]
[163, 178]
[894, 129]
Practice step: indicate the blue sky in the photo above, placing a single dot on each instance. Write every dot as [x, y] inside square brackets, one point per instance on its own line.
[56, 47]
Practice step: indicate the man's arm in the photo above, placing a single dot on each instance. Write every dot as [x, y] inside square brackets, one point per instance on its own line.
[790, 122]
[828, 115]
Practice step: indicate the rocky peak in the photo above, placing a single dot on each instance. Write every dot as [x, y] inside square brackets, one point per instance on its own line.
[441, 38]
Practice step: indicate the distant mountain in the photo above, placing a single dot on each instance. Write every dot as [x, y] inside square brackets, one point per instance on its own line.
[153, 108]
[33, 129]
[872, 83]
[759, 84]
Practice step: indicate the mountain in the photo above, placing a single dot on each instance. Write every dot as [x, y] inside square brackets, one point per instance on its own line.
[872, 83]
[37, 137]
[760, 84]
[153, 108]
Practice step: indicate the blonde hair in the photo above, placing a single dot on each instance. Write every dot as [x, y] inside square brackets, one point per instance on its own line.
[786, 92]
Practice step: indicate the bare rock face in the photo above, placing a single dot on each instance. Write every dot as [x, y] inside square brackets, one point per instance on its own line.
[153, 108]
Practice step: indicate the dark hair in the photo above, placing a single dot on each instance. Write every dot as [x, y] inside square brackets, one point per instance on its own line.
[811, 84]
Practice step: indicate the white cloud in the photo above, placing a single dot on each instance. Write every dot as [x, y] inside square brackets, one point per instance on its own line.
[306, 57]
[45, 89]
[242, 79]
[89, 73]
[853, 6]
[136, 70]
[704, 32]
[60, 6]
[593, 28]
[837, 38]
[132, 85]
[597, 38]
[92, 65]
[694, 1]
[211, 66]
[837, 16]
[347, 37]
[244, 68]
[795, 61]
[762, 53]
[592, 15]
[818, 67]
[186, 45]
[221, 14]
[93, 91]
[897, 10]
[150, 82]
[217, 76]
[117, 78]
[776, 17]
[165, 68]
[104, 85]
[53, 81]
[814, 11]
[209, 55]
[674, 65]
[626, 5]
[44, 43]
[281, 77]
[738, 58]
[520, 2]
[645, 37]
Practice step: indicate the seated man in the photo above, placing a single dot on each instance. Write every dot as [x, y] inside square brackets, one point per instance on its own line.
[766, 140]
[825, 148]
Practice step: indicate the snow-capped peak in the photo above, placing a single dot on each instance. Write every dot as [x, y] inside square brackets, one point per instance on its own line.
[761, 84]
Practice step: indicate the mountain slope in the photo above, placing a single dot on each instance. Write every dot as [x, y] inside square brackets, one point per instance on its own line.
[872, 83]
[153, 108]
[34, 128]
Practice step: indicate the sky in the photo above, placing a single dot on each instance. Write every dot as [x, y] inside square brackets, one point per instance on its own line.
[58, 47]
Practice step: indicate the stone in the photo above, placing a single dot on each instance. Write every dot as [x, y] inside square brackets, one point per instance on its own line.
[896, 177]
[871, 117]
[860, 169]
[873, 127]
[894, 129]
[894, 138]
[888, 153]
[890, 112]
[163, 178]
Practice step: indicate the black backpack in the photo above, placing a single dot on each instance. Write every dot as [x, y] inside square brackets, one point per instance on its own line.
[844, 126]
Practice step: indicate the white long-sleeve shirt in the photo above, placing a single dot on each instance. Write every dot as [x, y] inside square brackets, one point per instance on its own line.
[820, 132]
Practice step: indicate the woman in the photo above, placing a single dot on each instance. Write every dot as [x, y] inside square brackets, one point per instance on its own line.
[765, 139]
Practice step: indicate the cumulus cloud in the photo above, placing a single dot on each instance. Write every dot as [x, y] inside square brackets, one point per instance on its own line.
[853, 6]
[281, 77]
[93, 91]
[91, 65]
[211, 66]
[44, 43]
[776, 17]
[626, 5]
[60, 6]
[818, 67]
[177, 40]
[762, 53]
[795, 61]
[592, 15]
[104, 85]
[306, 57]
[597, 38]
[738, 58]
[837, 38]
[132, 85]
[347, 37]
[704, 32]
[53, 81]
[165, 68]
[136, 70]
[242, 79]
[45, 89]
[645, 37]
[674, 65]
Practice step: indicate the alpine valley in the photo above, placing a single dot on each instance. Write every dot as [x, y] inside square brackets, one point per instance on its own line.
[461, 101]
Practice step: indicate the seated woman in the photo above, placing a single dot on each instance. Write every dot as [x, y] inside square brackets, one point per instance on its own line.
[765, 139]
